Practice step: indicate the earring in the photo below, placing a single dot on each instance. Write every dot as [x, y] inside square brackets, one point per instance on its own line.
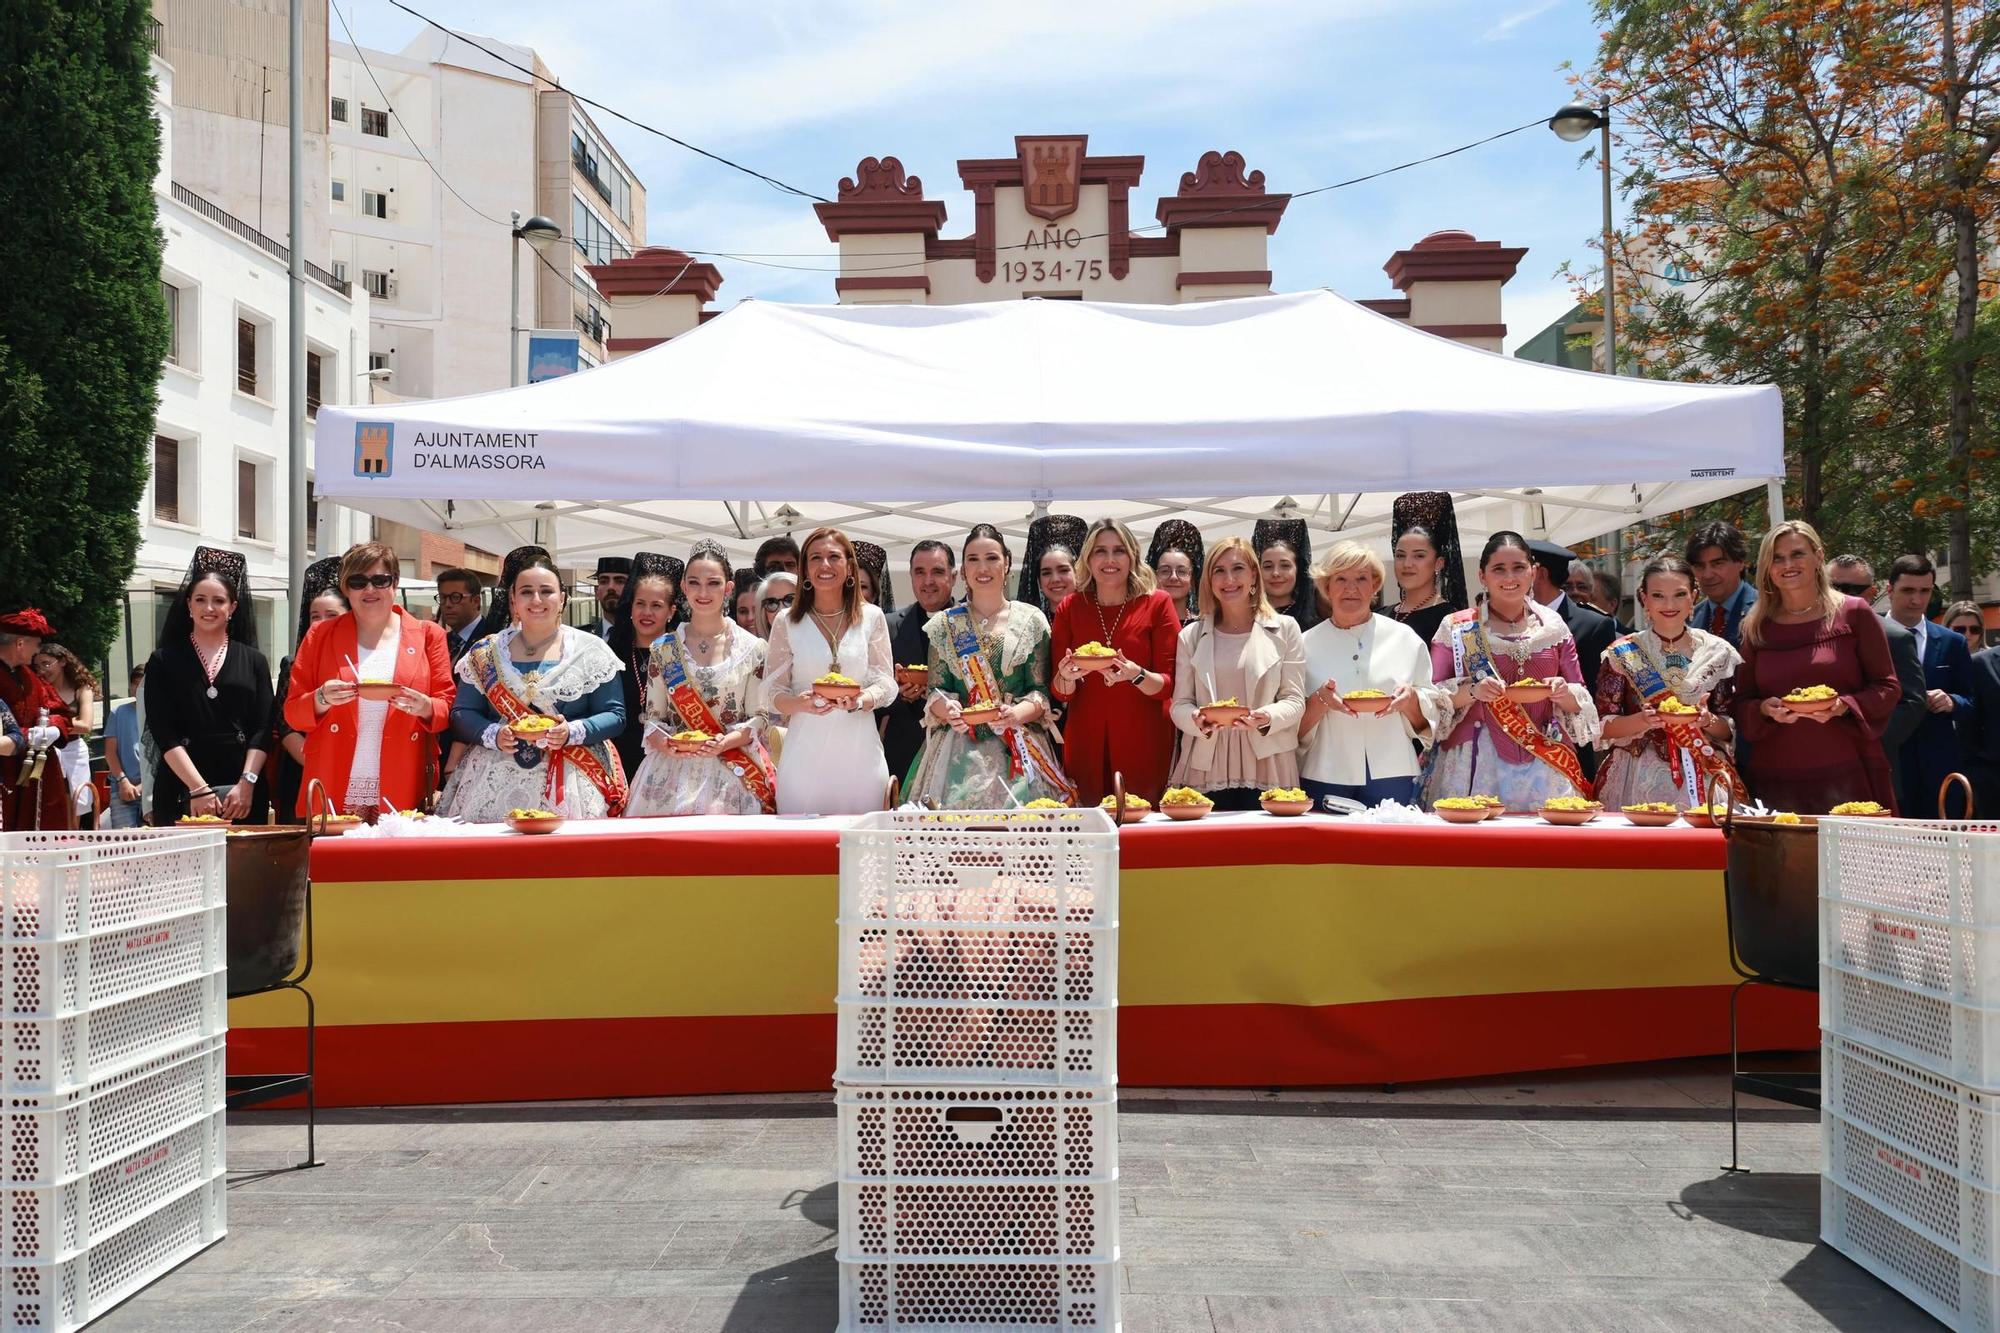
[849, 583]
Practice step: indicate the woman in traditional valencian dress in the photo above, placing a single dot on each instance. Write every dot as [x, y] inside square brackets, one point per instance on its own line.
[832, 763]
[1665, 756]
[988, 651]
[1495, 746]
[537, 668]
[706, 676]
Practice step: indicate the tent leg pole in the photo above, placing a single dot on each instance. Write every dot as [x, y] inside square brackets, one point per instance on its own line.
[1774, 500]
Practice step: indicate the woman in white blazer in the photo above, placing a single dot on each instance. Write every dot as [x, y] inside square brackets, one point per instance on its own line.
[1365, 757]
[1239, 649]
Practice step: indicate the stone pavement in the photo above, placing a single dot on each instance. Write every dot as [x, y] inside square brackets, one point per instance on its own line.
[1563, 1202]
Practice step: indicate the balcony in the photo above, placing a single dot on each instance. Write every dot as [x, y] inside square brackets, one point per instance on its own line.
[156, 35]
[230, 222]
[592, 324]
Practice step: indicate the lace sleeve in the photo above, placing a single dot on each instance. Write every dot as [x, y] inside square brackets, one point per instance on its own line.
[778, 664]
[878, 685]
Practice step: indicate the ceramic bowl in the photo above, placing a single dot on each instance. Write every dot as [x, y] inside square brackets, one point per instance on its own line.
[379, 690]
[1569, 818]
[1093, 663]
[1286, 809]
[1130, 814]
[548, 824]
[1650, 818]
[1186, 811]
[1529, 694]
[835, 694]
[978, 717]
[1367, 705]
[1451, 816]
[1221, 715]
[686, 747]
[1810, 707]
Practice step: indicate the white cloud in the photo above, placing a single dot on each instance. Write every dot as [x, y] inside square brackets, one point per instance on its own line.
[1504, 29]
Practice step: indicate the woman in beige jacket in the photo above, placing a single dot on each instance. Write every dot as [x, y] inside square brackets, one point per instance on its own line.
[1239, 649]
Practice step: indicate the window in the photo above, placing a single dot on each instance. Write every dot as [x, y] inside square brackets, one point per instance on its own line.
[312, 518]
[173, 299]
[374, 204]
[246, 357]
[246, 499]
[377, 284]
[166, 479]
[375, 123]
[340, 270]
[594, 237]
[312, 383]
[339, 192]
[378, 360]
[339, 110]
[593, 161]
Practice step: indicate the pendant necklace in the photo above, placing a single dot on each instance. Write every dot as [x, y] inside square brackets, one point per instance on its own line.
[838, 621]
[210, 669]
[1119, 619]
[1360, 639]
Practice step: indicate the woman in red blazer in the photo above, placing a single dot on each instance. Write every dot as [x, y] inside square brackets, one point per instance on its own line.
[371, 753]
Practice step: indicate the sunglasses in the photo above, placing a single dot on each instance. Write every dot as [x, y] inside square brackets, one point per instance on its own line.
[356, 582]
[777, 603]
[1852, 589]
[454, 598]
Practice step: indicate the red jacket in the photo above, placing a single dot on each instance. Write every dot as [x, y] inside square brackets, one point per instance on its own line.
[424, 663]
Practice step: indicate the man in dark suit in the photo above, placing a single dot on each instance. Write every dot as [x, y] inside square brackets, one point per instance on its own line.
[612, 571]
[1718, 554]
[1855, 577]
[459, 608]
[1932, 752]
[1590, 627]
[933, 571]
[1979, 729]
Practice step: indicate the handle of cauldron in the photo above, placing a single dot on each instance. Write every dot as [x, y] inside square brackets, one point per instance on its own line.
[319, 806]
[1118, 790]
[895, 792]
[1728, 820]
[1965, 784]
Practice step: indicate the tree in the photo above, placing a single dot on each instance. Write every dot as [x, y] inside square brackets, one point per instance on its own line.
[83, 324]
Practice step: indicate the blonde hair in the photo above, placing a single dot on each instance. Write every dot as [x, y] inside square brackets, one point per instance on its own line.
[850, 593]
[1138, 581]
[1344, 556]
[1768, 602]
[1210, 608]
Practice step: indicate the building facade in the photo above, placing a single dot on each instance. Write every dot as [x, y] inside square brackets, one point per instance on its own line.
[436, 260]
[1055, 222]
[221, 438]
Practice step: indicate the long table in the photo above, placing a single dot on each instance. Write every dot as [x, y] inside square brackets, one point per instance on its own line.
[662, 957]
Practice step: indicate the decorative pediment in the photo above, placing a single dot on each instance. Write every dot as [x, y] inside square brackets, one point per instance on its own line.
[1220, 174]
[880, 200]
[880, 178]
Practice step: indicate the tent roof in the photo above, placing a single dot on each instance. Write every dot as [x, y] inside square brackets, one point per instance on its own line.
[898, 422]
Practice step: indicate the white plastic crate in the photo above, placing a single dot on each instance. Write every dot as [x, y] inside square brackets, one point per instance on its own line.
[55, 1222]
[50, 1139]
[1958, 1294]
[979, 1220]
[901, 1133]
[61, 1295]
[1019, 963]
[971, 1297]
[57, 978]
[942, 1041]
[1058, 867]
[1959, 1041]
[57, 1055]
[68, 885]
[1928, 1117]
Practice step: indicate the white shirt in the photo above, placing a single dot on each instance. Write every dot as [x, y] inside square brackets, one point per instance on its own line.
[1348, 751]
[371, 715]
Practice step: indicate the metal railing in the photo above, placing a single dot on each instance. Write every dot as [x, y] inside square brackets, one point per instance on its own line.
[230, 222]
[156, 35]
[592, 324]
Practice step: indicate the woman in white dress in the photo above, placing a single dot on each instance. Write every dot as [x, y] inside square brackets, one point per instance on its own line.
[537, 666]
[832, 762]
[706, 676]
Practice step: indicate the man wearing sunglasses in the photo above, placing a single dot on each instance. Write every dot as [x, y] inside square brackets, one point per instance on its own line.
[1852, 575]
[459, 607]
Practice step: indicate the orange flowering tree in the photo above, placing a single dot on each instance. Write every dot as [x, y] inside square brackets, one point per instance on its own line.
[1782, 175]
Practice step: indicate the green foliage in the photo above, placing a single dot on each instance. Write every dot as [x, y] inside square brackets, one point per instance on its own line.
[83, 326]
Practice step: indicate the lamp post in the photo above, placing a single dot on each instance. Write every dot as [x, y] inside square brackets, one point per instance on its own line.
[1573, 124]
[541, 233]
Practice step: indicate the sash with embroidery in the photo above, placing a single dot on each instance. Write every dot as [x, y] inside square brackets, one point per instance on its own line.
[1027, 752]
[1696, 761]
[751, 762]
[609, 780]
[1472, 657]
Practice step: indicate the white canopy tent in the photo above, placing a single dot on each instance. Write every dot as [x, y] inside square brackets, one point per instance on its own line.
[900, 422]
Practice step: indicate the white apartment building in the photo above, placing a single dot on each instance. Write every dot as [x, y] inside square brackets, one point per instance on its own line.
[437, 261]
[219, 473]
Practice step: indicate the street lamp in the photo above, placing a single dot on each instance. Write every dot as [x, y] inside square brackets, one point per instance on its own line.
[541, 233]
[1573, 124]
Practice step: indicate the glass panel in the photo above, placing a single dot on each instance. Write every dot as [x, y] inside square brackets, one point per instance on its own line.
[246, 498]
[246, 356]
[166, 479]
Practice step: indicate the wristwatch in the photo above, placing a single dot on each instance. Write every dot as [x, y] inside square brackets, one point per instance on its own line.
[250, 777]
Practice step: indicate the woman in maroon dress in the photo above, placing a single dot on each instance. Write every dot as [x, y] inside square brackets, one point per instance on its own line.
[1117, 719]
[1802, 633]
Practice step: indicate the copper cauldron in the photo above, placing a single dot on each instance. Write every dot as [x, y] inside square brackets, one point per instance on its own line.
[1773, 895]
[268, 872]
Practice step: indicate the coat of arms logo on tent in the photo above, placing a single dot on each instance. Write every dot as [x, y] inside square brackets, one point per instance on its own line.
[374, 448]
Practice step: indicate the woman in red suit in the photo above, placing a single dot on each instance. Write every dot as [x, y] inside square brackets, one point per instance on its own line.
[1117, 719]
[370, 753]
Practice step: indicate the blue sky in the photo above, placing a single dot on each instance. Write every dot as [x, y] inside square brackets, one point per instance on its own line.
[1310, 91]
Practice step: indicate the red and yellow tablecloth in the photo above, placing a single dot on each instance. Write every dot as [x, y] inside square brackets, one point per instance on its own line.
[660, 957]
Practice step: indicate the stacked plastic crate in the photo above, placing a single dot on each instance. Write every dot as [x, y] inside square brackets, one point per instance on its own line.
[977, 1081]
[112, 1021]
[1910, 1013]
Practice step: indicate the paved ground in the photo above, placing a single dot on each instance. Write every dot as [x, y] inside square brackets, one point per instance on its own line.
[1553, 1204]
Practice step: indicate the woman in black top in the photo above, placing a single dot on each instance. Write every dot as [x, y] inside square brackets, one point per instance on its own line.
[1430, 571]
[646, 611]
[208, 698]
[1284, 556]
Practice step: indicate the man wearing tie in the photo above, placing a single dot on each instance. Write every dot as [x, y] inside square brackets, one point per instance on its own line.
[1719, 554]
[1932, 753]
[459, 608]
